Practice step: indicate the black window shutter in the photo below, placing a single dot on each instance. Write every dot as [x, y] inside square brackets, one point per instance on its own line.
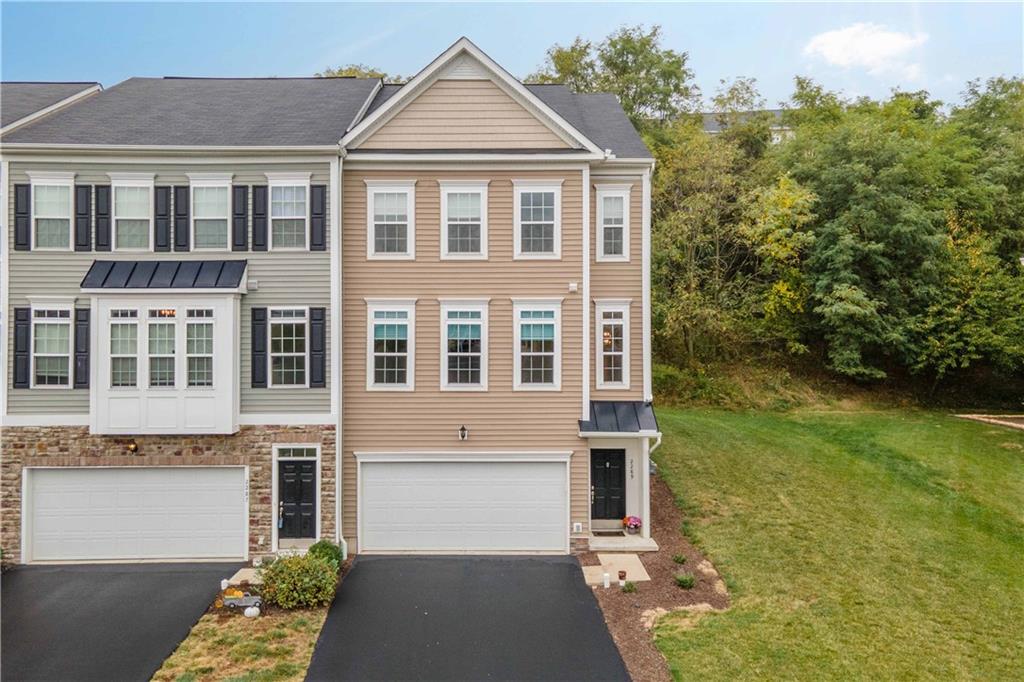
[83, 217]
[22, 217]
[81, 348]
[162, 218]
[181, 227]
[317, 347]
[259, 348]
[103, 217]
[318, 218]
[240, 218]
[259, 218]
[22, 337]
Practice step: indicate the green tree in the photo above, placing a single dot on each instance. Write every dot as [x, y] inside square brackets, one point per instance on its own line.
[654, 84]
[358, 71]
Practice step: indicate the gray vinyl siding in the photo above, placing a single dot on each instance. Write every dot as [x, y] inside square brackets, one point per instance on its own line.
[283, 278]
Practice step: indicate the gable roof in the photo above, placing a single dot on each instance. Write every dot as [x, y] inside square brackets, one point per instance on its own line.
[462, 49]
[599, 116]
[21, 100]
[220, 112]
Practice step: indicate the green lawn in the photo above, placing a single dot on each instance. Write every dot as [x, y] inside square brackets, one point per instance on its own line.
[857, 544]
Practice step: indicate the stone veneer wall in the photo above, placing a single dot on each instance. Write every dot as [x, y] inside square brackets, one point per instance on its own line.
[55, 446]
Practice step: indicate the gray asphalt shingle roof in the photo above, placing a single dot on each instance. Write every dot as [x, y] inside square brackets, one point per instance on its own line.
[226, 112]
[18, 100]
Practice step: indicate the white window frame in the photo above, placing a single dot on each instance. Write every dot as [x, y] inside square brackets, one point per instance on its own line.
[174, 322]
[408, 306]
[607, 191]
[210, 320]
[287, 180]
[60, 306]
[408, 187]
[216, 180]
[52, 179]
[134, 321]
[518, 188]
[518, 306]
[130, 180]
[601, 306]
[270, 336]
[463, 187]
[481, 306]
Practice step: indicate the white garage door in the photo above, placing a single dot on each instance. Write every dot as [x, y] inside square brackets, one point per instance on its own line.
[136, 513]
[464, 506]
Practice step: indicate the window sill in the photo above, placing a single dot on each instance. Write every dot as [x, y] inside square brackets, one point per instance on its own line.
[537, 256]
[390, 389]
[529, 388]
[391, 256]
[612, 259]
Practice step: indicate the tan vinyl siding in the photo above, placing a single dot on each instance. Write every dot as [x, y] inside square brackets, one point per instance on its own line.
[284, 278]
[620, 280]
[428, 418]
[464, 114]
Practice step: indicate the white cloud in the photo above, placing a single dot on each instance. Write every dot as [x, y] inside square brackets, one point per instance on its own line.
[864, 45]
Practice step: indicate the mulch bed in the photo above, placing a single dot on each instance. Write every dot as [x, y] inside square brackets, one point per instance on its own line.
[623, 612]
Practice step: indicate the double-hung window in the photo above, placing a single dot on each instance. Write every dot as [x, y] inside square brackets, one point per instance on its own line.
[390, 343]
[613, 223]
[538, 219]
[289, 210]
[464, 345]
[124, 348]
[51, 347]
[464, 220]
[289, 334]
[612, 343]
[390, 220]
[538, 347]
[161, 332]
[133, 211]
[211, 210]
[52, 210]
[199, 347]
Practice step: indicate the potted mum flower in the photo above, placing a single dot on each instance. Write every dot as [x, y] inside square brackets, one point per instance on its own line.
[632, 524]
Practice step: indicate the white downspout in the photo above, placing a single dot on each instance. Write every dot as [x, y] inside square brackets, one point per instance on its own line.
[646, 265]
[585, 406]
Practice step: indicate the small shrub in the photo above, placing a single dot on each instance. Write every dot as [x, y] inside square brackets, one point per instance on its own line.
[629, 587]
[679, 559]
[328, 551]
[685, 581]
[296, 581]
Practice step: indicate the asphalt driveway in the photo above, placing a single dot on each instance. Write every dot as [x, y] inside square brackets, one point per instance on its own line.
[100, 622]
[465, 618]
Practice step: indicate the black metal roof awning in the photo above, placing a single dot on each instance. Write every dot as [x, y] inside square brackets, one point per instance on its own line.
[165, 274]
[620, 417]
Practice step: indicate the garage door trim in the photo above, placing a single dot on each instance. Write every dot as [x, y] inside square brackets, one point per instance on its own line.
[27, 509]
[463, 456]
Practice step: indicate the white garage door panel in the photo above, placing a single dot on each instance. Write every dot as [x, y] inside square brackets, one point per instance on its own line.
[464, 506]
[137, 513]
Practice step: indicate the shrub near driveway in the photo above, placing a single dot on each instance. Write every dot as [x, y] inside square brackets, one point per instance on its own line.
[296, 581]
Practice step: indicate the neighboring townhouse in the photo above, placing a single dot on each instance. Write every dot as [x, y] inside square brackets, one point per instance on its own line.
[247, 313]
[22, 103]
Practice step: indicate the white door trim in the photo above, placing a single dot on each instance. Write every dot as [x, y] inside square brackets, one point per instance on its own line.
[274, 486]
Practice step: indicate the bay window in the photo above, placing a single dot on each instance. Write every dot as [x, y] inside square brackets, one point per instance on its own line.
[537, 344]
[464, 345]
[161, 335]
[124, 348]
[390, 220]
[199, 348]
[463, 220]
[390, 357]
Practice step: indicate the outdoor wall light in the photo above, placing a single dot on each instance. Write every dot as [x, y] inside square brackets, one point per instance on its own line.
[463, 433]
[133, 447]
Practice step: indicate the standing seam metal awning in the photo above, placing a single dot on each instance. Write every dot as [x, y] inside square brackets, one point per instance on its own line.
[620, 416]
[165, 274]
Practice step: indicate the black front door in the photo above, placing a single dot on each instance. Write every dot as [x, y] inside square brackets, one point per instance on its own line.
[296, 488]
[608, 484]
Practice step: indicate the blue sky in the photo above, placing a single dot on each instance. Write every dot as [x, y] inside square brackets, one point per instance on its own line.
[859, 48]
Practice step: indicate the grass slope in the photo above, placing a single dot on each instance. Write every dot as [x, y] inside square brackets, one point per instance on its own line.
[857, 544]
